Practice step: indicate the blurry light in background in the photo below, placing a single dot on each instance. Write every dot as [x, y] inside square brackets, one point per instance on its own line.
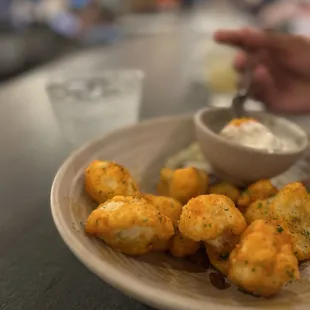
[78, 4]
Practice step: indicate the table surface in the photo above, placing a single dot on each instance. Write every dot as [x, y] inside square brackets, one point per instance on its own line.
[37, 270]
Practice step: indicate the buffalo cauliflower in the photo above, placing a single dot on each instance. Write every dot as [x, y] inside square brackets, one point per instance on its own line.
[291, 206]
[104, 180]
[258, 210]
[181, 246]
[259, 190]
[225, 189]
[178, 245]
[183, 184]
[213, 219]
[263, 262]
[129, 224]
[166, 205]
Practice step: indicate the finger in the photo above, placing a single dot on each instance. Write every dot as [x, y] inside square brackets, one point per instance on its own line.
[240, 61]
[246, 38]
[262, 85]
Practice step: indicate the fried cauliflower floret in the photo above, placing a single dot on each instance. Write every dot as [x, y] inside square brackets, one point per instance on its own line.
[166, 205]
[292, 206]
[258, 210]
[218, 261]
[213, 219]
[225, 189]
[181, 246]
[263, 262]
[183, 184]
[129, 224]
[104, 180]
[260, 190]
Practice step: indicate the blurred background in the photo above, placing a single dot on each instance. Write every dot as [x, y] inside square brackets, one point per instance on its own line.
[33, 32]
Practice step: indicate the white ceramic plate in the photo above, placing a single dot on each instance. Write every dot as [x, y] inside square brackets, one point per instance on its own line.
[155, 279]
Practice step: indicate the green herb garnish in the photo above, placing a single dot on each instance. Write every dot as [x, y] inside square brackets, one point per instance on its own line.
[280, 229]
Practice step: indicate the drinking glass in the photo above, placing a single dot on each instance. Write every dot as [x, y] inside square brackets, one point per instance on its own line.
[89, 105]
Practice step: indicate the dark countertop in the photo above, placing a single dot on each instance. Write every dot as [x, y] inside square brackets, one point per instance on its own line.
[37, 270]
[27, 49]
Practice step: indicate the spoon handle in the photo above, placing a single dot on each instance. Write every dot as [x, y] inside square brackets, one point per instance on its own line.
[243, 91]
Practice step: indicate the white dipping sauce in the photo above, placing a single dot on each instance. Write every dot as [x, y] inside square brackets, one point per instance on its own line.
[251, 133]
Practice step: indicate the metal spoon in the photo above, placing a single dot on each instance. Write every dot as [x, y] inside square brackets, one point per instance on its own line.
[243, 91]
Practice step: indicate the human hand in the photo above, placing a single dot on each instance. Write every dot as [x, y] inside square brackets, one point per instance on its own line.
[281, 67]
